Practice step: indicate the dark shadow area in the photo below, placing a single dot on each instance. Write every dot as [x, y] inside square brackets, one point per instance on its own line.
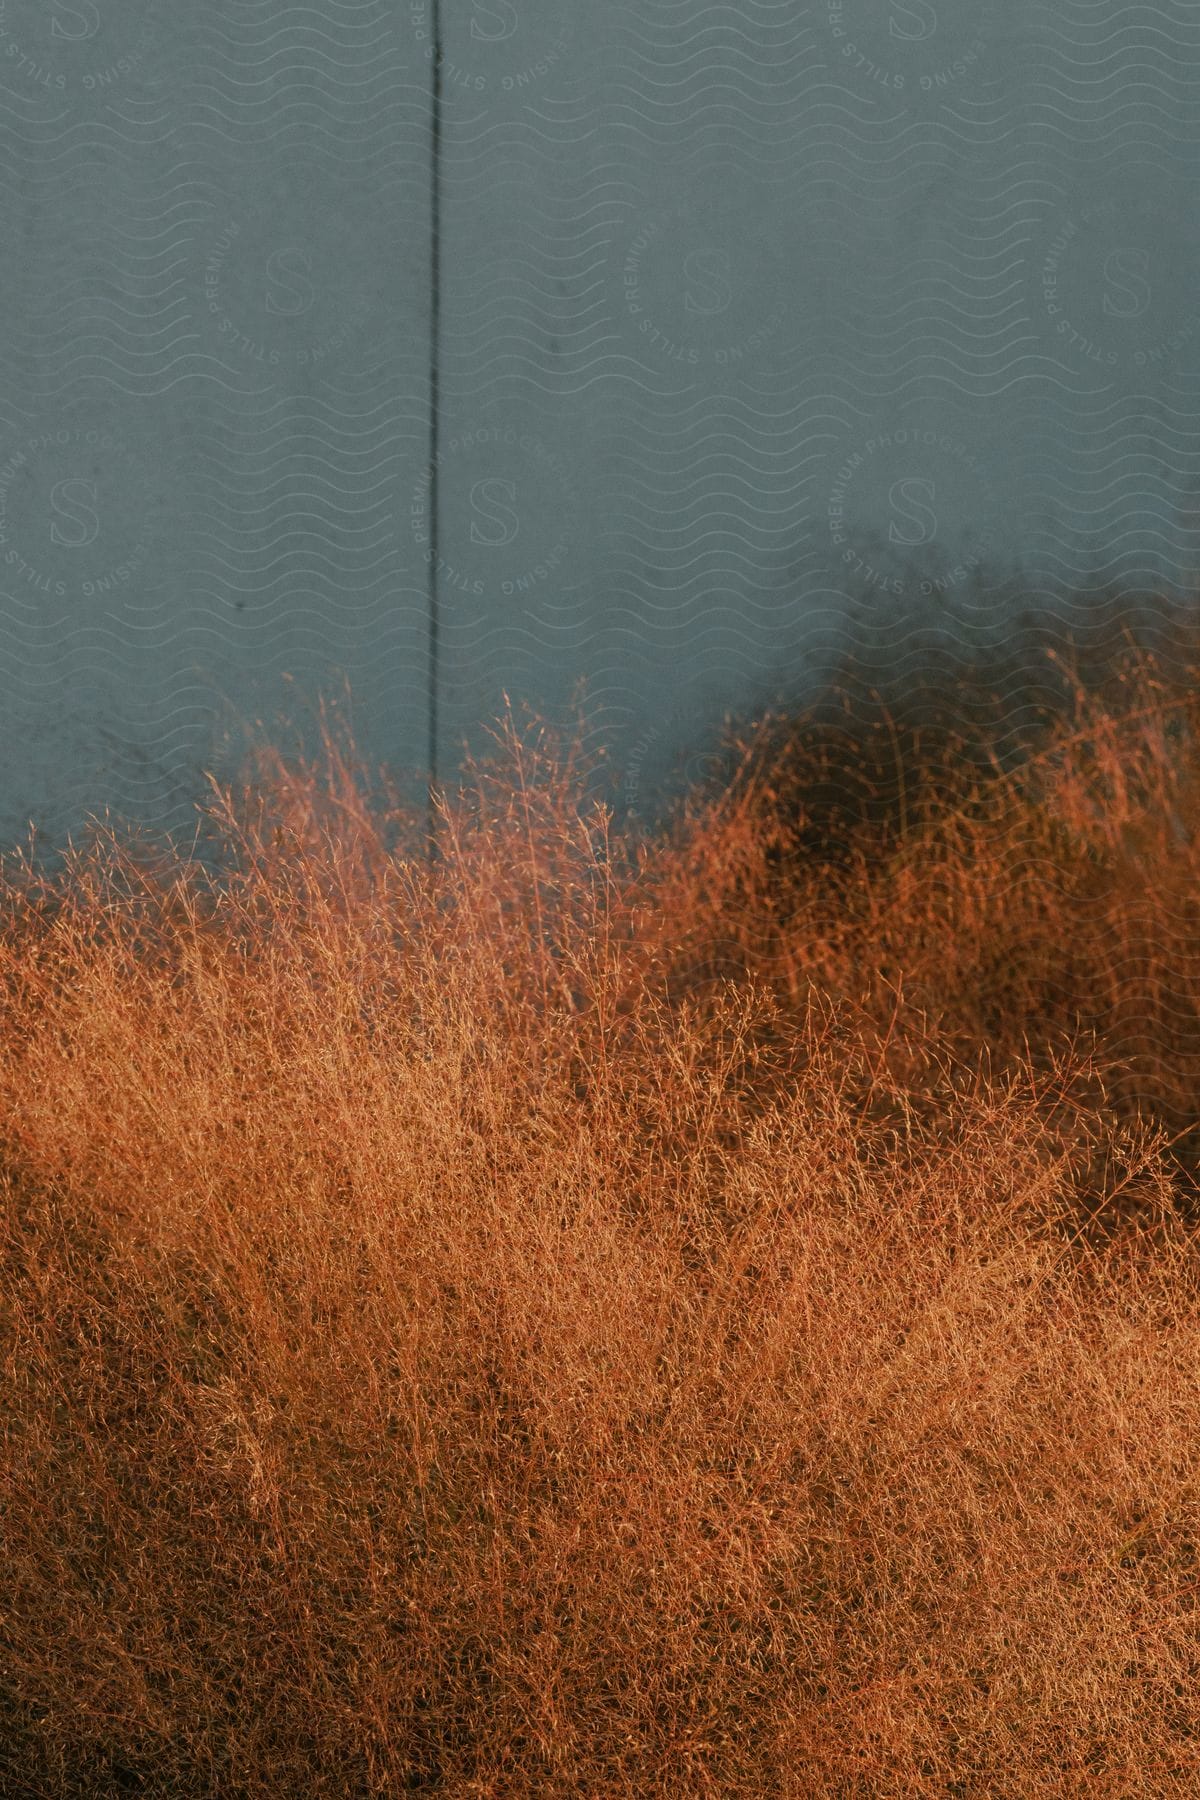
[932, 696]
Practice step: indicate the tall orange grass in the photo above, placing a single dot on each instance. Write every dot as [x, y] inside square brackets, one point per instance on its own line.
[701, 1314]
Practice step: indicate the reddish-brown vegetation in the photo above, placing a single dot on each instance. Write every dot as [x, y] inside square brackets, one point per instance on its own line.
[588, 1317]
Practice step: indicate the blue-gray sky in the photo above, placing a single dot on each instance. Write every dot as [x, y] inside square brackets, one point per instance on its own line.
[750, 312]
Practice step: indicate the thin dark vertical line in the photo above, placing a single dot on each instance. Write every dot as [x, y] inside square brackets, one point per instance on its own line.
[435, 324]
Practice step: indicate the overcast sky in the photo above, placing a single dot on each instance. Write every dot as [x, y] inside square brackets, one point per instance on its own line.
[750, 312]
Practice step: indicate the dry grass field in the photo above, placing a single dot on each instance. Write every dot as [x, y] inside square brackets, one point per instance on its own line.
[694, 1313]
